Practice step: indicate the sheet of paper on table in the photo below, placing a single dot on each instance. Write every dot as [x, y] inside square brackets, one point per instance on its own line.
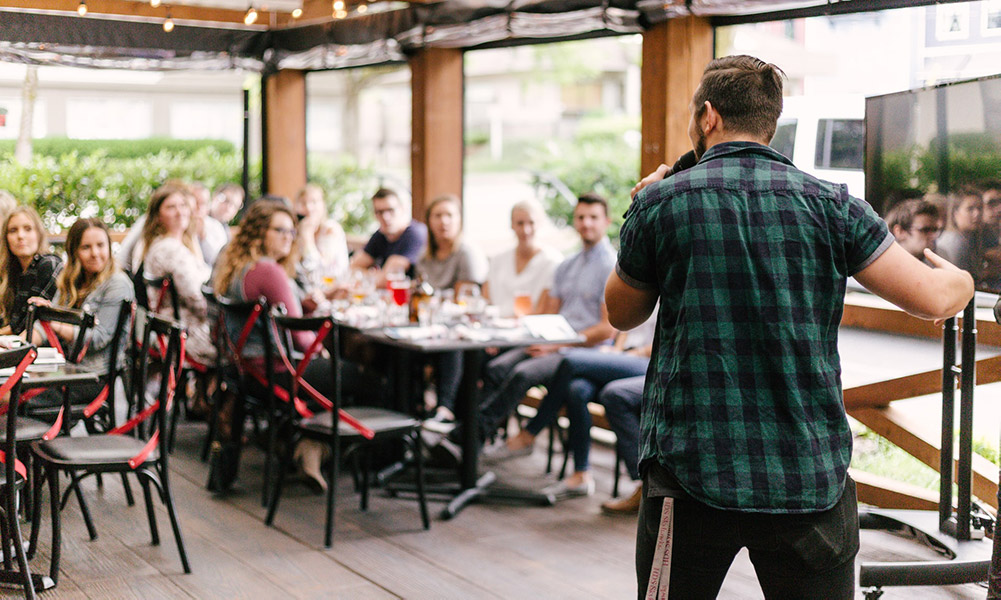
[49, 356]
[548, 327]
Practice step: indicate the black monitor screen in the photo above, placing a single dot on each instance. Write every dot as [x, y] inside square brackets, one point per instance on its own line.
[942, 145]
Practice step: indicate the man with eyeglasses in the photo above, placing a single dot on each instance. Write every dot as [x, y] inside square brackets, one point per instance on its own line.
[915, 224]
[399, 241]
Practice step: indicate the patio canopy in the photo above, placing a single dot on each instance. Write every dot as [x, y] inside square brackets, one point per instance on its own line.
[313, 34]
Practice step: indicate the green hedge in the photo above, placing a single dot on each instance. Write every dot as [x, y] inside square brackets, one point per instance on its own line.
[117, 190]
[57, 146]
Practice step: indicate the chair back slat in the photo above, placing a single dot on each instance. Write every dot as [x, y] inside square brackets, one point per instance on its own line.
[169, 369]
[18, 359]
[326, 329]
[82, 319]
[165, 289]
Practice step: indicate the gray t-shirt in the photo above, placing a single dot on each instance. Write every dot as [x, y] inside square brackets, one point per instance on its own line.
[466, 263]
[962, 250]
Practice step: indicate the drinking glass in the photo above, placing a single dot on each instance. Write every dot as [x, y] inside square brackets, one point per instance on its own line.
[522, 303]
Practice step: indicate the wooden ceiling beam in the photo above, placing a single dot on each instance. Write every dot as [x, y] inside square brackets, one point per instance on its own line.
[129, 8]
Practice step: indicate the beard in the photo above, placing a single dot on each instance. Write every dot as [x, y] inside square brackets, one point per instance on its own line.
[700, 143]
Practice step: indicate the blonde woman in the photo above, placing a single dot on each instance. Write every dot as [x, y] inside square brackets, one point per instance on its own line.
[168, 247]
[323, 247]
[26, 268]
[90, 280]
[525, 270]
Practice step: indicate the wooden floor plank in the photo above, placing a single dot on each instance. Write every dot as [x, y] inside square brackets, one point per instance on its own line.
[570, 550]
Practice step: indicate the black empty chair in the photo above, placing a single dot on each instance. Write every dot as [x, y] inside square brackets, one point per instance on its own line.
[361, 429]
[138, 446]
[14, 474]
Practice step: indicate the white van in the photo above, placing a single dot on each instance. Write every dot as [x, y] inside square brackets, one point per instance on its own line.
[825, 136]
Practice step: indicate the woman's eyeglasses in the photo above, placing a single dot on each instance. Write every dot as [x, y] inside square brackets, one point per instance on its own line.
[283, 231]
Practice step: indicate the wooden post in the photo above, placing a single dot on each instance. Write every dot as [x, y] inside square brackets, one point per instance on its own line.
[285, 138]
[675, 53]
[436, 145]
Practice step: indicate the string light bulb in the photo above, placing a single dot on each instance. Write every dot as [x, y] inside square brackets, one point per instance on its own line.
[338, 5]
[340, 14]
[362, 8]
[82, 8]
[168, 23]
[154, 3]
[296, 13]
[251, 17]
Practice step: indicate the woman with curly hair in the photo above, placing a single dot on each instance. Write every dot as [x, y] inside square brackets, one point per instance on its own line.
[261, 262]
[26, 268]
[169, 247]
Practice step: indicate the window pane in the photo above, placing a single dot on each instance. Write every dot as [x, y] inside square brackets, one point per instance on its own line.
[845, 143]
[784, 141]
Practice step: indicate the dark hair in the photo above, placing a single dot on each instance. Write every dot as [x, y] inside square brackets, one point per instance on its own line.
[383, 193]
[432, 248]
[594, 198]
[956, 198]
[990, 184]
[745, 91]
[902, 214]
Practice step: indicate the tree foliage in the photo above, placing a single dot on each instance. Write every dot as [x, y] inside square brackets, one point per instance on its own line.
[599, 159]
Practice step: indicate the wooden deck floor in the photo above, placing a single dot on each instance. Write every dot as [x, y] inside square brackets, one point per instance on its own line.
[488, 551]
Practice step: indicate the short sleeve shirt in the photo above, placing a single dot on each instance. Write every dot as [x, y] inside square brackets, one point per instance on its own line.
[466, 263]
[749, 257]
[579, 284]
[410, 244]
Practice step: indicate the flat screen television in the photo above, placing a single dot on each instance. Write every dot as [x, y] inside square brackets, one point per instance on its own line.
[943, 144]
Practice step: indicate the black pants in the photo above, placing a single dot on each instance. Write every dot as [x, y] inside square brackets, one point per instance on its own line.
[794, 555]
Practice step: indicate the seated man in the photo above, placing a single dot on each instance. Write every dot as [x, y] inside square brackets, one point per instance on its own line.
[398, 243]
[915, 224]
[578, 379]
[576, 294]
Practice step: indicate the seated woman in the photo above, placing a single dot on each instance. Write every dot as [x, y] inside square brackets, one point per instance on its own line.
[27, 269]
[323, 248]
[449, 263]
[962, 242]
[91, 280]
[260, 262]
[168, 247]
[525, 270]
[582, 373]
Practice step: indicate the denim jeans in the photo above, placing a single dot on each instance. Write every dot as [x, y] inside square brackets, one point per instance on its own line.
[579, 377]
[622, 400]
[506, 380]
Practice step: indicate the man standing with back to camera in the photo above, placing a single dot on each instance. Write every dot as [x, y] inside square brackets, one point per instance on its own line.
[744, 438]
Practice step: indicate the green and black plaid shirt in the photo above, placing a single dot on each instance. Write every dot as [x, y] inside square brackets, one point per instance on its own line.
[749, 256]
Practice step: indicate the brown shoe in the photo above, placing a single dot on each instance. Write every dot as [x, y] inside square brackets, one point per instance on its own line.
[624, 506]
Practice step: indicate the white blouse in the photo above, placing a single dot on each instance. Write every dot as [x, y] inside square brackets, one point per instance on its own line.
[537, 275]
